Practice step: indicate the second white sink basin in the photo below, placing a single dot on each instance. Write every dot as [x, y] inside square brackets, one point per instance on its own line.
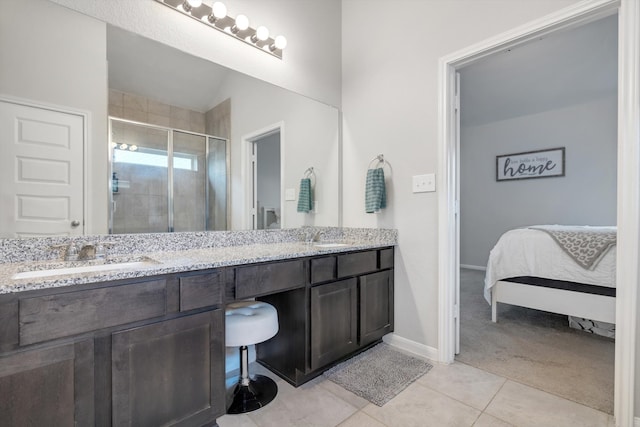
[330, 245]
[82, 269]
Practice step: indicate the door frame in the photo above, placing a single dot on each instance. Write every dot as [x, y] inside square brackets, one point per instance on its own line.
[628, 179]
[247, 178]
[87, 200]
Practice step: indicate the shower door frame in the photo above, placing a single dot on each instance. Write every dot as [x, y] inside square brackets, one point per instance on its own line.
[170, 199]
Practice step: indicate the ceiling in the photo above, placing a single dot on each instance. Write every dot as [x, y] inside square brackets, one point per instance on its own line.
[148, 68]
[561, 69]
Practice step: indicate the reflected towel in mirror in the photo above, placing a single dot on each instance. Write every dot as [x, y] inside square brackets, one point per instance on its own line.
[375, 191]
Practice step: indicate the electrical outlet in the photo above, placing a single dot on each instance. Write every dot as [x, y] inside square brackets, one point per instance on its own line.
[424, 183]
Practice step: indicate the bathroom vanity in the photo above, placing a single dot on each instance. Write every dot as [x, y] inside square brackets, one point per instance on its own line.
[150, 350]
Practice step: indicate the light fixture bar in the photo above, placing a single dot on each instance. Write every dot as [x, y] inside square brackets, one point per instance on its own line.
[204, 14]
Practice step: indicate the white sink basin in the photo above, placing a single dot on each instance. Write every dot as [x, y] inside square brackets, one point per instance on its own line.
[331, 245]
[82, 269]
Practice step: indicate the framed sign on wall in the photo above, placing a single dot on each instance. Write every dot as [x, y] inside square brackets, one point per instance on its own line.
[531, 164]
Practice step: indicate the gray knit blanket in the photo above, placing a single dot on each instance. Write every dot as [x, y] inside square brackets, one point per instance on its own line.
[585, 245]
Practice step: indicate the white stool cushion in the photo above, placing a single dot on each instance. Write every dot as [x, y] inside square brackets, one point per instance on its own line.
[250, 322]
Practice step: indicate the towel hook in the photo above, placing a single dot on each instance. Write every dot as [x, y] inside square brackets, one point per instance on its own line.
[380, 159]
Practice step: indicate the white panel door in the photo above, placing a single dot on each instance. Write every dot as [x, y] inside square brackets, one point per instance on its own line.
[41, 172]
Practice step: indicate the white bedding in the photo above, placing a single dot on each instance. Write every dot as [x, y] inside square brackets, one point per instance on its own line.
[528, 252]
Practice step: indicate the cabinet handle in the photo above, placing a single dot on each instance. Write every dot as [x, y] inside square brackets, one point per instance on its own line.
[75, 223]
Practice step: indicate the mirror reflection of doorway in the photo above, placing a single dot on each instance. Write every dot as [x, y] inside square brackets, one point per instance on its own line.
[266, 169]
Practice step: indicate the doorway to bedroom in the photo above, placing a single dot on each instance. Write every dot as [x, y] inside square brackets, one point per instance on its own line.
[556, 92]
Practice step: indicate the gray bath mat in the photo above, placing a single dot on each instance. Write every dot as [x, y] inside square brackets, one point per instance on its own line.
[378, 374]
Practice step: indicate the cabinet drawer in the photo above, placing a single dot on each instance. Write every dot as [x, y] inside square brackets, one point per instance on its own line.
[202, 290]
[323, 269]
[386, 258]
[264, 279]
[53, 316]
[357, 263]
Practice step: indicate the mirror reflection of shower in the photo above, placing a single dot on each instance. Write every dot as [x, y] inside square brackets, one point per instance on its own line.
[164, 179]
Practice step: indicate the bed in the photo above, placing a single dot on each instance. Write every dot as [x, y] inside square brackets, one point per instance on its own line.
[530, 267]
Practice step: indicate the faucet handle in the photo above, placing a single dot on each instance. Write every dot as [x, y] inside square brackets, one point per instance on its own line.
[70, 250]
[101, 249]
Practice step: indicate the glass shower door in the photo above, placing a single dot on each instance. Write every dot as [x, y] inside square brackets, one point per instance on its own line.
[139, 178]
[189, 179]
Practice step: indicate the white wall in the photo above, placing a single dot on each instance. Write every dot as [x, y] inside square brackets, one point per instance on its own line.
[311, 60]
[586, 195]
[43, 59]
[309, 137]
[390, 103]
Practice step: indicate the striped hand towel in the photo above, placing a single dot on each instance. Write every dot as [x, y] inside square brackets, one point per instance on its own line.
[305, 198]
[375, 192]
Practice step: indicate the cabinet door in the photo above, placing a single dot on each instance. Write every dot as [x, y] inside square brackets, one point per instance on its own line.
[376, 306]
[169, 373]
[334, 321]
[48, 386]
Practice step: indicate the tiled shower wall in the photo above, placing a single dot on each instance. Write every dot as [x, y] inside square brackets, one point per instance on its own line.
[140, 109]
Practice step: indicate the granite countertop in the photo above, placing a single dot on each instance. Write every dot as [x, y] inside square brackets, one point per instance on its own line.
[164, 262]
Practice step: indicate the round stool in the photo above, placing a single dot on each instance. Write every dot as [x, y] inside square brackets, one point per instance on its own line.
[250, 322]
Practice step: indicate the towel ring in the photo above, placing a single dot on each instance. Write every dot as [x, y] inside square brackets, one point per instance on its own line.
[310, 173]
[379, 159]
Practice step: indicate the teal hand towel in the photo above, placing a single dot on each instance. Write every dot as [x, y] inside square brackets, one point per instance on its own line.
[375, 192]
[305, 198]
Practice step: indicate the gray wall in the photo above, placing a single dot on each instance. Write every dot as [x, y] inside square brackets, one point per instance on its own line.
[585, 196]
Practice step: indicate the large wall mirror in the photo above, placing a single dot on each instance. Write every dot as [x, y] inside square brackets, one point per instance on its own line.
[165, 102]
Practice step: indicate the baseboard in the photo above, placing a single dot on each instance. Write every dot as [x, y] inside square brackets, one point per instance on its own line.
[411, 346]
[473, 267]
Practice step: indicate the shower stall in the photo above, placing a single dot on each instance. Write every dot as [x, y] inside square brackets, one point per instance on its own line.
[165, 179]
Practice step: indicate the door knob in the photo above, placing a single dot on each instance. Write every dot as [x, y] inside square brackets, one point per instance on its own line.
[75, 223]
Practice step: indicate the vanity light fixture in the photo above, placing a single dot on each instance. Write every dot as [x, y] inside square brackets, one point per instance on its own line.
[216, 16]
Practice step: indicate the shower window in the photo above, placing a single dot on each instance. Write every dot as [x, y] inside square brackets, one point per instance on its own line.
[166, 179]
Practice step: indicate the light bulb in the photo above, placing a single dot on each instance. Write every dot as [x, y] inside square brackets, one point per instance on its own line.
[262, 33]
[133, 148]
[195, 3]
[279, 43]
[124, 146]
[219, 10]
[242, 23]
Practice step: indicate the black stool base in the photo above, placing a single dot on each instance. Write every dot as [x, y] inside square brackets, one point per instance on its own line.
[260, 391]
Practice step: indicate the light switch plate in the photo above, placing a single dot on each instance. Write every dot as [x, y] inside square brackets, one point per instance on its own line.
[424, 183]
[290, 194]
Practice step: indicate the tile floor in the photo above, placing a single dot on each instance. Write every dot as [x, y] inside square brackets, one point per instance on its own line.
[449, 395]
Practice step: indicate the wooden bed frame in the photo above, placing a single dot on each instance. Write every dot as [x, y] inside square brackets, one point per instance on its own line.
[569, 298]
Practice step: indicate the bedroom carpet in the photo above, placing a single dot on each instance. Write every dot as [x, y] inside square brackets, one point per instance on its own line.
[534, 348]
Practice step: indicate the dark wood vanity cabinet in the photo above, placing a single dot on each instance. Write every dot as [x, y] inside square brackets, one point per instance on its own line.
[334, 321]
[151, 351]
[144, 352]
[48, 386]
[170, 372]
[376, 306]
[347, 308]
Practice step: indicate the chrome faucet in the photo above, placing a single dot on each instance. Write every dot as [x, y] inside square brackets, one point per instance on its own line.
[76, 252]
[97, 250]
[312, 236]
